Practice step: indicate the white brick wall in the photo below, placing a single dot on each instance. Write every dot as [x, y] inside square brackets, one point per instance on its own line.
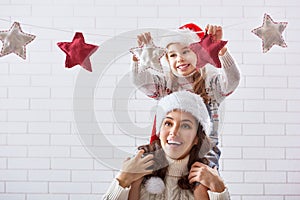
[43, 157]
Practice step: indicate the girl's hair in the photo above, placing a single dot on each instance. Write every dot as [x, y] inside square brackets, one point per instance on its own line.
[161, 163]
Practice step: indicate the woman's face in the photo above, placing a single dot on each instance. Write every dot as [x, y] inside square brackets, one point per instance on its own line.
[178, 134]
[182, 59]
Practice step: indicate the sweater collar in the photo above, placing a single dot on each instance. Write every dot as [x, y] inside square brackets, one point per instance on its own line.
[177, 168]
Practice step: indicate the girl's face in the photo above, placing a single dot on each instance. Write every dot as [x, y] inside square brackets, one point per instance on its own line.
[178, 134]
[181, 58]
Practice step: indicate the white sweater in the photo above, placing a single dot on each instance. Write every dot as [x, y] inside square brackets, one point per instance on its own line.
[176, 169]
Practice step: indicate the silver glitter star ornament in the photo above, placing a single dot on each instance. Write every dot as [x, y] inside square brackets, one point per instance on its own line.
[271, 33]
[15, 40]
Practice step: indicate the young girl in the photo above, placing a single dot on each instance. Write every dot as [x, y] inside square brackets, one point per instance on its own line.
[182, 127]
[212, 84]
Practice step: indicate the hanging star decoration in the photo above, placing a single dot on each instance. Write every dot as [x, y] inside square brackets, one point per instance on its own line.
[78, 52]
[271, 33]
[207, 51]
[15, 40]
[149, 57]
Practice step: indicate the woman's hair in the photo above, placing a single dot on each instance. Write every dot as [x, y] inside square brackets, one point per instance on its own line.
[161, 163]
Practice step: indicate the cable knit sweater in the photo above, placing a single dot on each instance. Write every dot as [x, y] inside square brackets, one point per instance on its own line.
[176, 169]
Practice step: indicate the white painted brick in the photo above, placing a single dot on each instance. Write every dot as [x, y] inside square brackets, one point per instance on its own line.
[280, 189]
[85, 197]
[29, 92]
[281, 70]
[49, 127]
[265, 177]
[49, 175]
[133, 11]
[242, 165]
[292, 153]
[231, 129]
[13, 127]
[65, 140]
[248, 93]
[3, 92]
[3, 139]
[88, 11]
[46, 11]
[47, 197]
[51, 104]
[27, 139]
[26, 187]
[293, 106]
[62, 116]
[228, 152]
[71, 163]
[232, 177]
[14, 80]
[13, 151]
[53, 81]
[246, 188]
[91, 176]
[233, 105]
[62, 92]
[14, 104]
[263, 153]
[283, 165]
[104, 22]
[294, 82]
[266, 82]
[30, 68]
[244, 117]
[28, 163]
[243, 141]
[69, 187]
[252, 12]
[291, 94]
[263, 129]
[292, 129]
[258, 105]
[265, 197]
[258, 58]
[12, 196]
[222, 11]
[282, 141]
[15, 10]
[100, 187]
[82, 23]
[282, 117]
[13, 175]
[29, 115]
[293, 177]
[48, 151]
[292, 59]
[179, 11]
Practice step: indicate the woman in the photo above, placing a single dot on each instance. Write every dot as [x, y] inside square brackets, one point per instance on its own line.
[177, 156]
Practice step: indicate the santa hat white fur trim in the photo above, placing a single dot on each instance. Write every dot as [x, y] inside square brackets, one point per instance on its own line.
[185, 36]
[184, 101]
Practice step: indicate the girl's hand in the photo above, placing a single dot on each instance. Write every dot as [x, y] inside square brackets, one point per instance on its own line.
[207, 176]
[135, 168]
[216, 33]
[144, 39]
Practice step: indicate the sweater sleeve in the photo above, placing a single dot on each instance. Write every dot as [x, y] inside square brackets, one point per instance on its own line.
[219, 196]
[116, 192]
[223, 84]
[147, 74]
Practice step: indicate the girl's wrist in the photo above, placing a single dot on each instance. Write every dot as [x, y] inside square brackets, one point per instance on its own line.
[123, 180]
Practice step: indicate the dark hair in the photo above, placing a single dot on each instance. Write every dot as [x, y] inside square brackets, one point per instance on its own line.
[161, 164]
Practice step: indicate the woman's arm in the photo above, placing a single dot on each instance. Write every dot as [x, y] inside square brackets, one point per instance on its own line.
[200, 192]
[134, 193]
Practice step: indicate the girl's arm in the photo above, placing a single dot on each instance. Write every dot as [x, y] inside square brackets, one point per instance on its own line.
[134, 193]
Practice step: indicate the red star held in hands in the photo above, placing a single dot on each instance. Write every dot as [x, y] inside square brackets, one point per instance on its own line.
[78, 52]
[207, 51]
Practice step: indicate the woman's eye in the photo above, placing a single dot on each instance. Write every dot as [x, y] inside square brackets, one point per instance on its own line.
[186, 51]
[168, 123]
[172, 55]
[186, 126]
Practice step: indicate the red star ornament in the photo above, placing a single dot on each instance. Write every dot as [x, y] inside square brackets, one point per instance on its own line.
[78, 52]
[271, 33]
[15, 40]
[207, 51]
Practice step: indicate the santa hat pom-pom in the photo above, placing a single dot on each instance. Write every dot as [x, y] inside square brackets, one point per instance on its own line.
[155, 185]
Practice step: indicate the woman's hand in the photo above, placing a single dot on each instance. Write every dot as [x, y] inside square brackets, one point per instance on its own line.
[216, 33]
[207, 176]
[135, 168]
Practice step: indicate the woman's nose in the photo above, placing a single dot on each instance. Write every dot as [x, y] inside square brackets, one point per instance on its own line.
[180, 58]
[174, 131]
